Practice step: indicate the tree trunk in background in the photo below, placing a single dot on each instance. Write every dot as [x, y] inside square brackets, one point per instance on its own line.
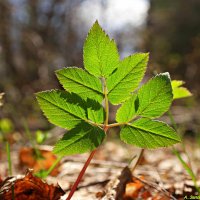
[173, 28]
[5, 40]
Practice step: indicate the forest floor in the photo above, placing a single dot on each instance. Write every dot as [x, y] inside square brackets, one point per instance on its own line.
[111, 174]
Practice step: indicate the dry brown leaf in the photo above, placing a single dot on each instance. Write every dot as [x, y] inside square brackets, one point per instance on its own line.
[27, 157]
[29, 188]
[133, 188]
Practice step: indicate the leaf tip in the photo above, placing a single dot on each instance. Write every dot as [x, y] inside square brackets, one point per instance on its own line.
[96, 25]
[58, 71]
[38, 94]
[147, 54]
[96, 22]
[166, 74]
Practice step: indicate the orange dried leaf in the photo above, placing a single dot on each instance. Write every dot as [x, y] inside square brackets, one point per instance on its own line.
[29, 188]
[133, 188]
[28, 158]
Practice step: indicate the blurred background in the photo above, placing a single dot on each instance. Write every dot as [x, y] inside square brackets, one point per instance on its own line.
[39, 37]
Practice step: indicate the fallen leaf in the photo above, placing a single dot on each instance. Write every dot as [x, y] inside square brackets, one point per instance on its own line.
[27, 157]
[29, 188]
[133, 188]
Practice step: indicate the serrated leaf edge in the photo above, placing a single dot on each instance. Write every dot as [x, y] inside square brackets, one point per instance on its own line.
[166, 74]
[156, 127]
[110, 40]
[129, 57]
[57, 74]
[55, 90]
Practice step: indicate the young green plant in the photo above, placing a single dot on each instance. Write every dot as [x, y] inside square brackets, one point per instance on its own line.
[180, 92]
[83, 107]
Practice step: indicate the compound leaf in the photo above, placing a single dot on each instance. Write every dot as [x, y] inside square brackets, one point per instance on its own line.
[178, 91]
[61, 108]
[155, 97]
[100, 54]
[147, 133]
[127, 111]
[84, 137]
[127, 77]
[77, 80]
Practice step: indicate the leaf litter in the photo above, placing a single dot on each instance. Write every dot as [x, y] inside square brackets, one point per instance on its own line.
[159, 176]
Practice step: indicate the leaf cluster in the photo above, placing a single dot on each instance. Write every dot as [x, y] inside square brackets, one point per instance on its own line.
[107, 79]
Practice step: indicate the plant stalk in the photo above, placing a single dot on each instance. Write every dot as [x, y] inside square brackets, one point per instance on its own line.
[172, 119]
[176, 128]
[28, 133]
[105, 128]
[139, 158]
[9, 158]
[82, 172]
[44, 175]
[54, 165]
[116, 124]
[10, 167]
[187, 166]
[74, 187]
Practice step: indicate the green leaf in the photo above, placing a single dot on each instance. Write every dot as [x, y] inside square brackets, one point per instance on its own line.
[177, 83]
[95, 111]
[77, 80]
[127, 77]
[147, 133]
[80, 139]
[155, 97]
[178, 91]
[61, 108]
[181, 92]
[100, 54]
[127, 111]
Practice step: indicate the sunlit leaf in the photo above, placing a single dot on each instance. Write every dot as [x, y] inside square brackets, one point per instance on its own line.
[127, 77]
[179, 91]
[61, 108]
[100, 54]
[147, 133]
[81, 139]
[78, 81]
[127, 111]
[95, 111]
[155, 97]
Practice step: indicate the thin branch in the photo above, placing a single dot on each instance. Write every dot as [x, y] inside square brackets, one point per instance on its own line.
[74, 187]
[116, 124]
[134, 163]
[105, 128]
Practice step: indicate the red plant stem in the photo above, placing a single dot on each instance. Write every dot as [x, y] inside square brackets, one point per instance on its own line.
[82, 172]
[74, 187]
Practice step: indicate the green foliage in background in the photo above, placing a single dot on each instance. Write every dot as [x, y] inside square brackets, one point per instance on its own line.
[107, 79]
[6, 125]
[180, 92]
[6, 128]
